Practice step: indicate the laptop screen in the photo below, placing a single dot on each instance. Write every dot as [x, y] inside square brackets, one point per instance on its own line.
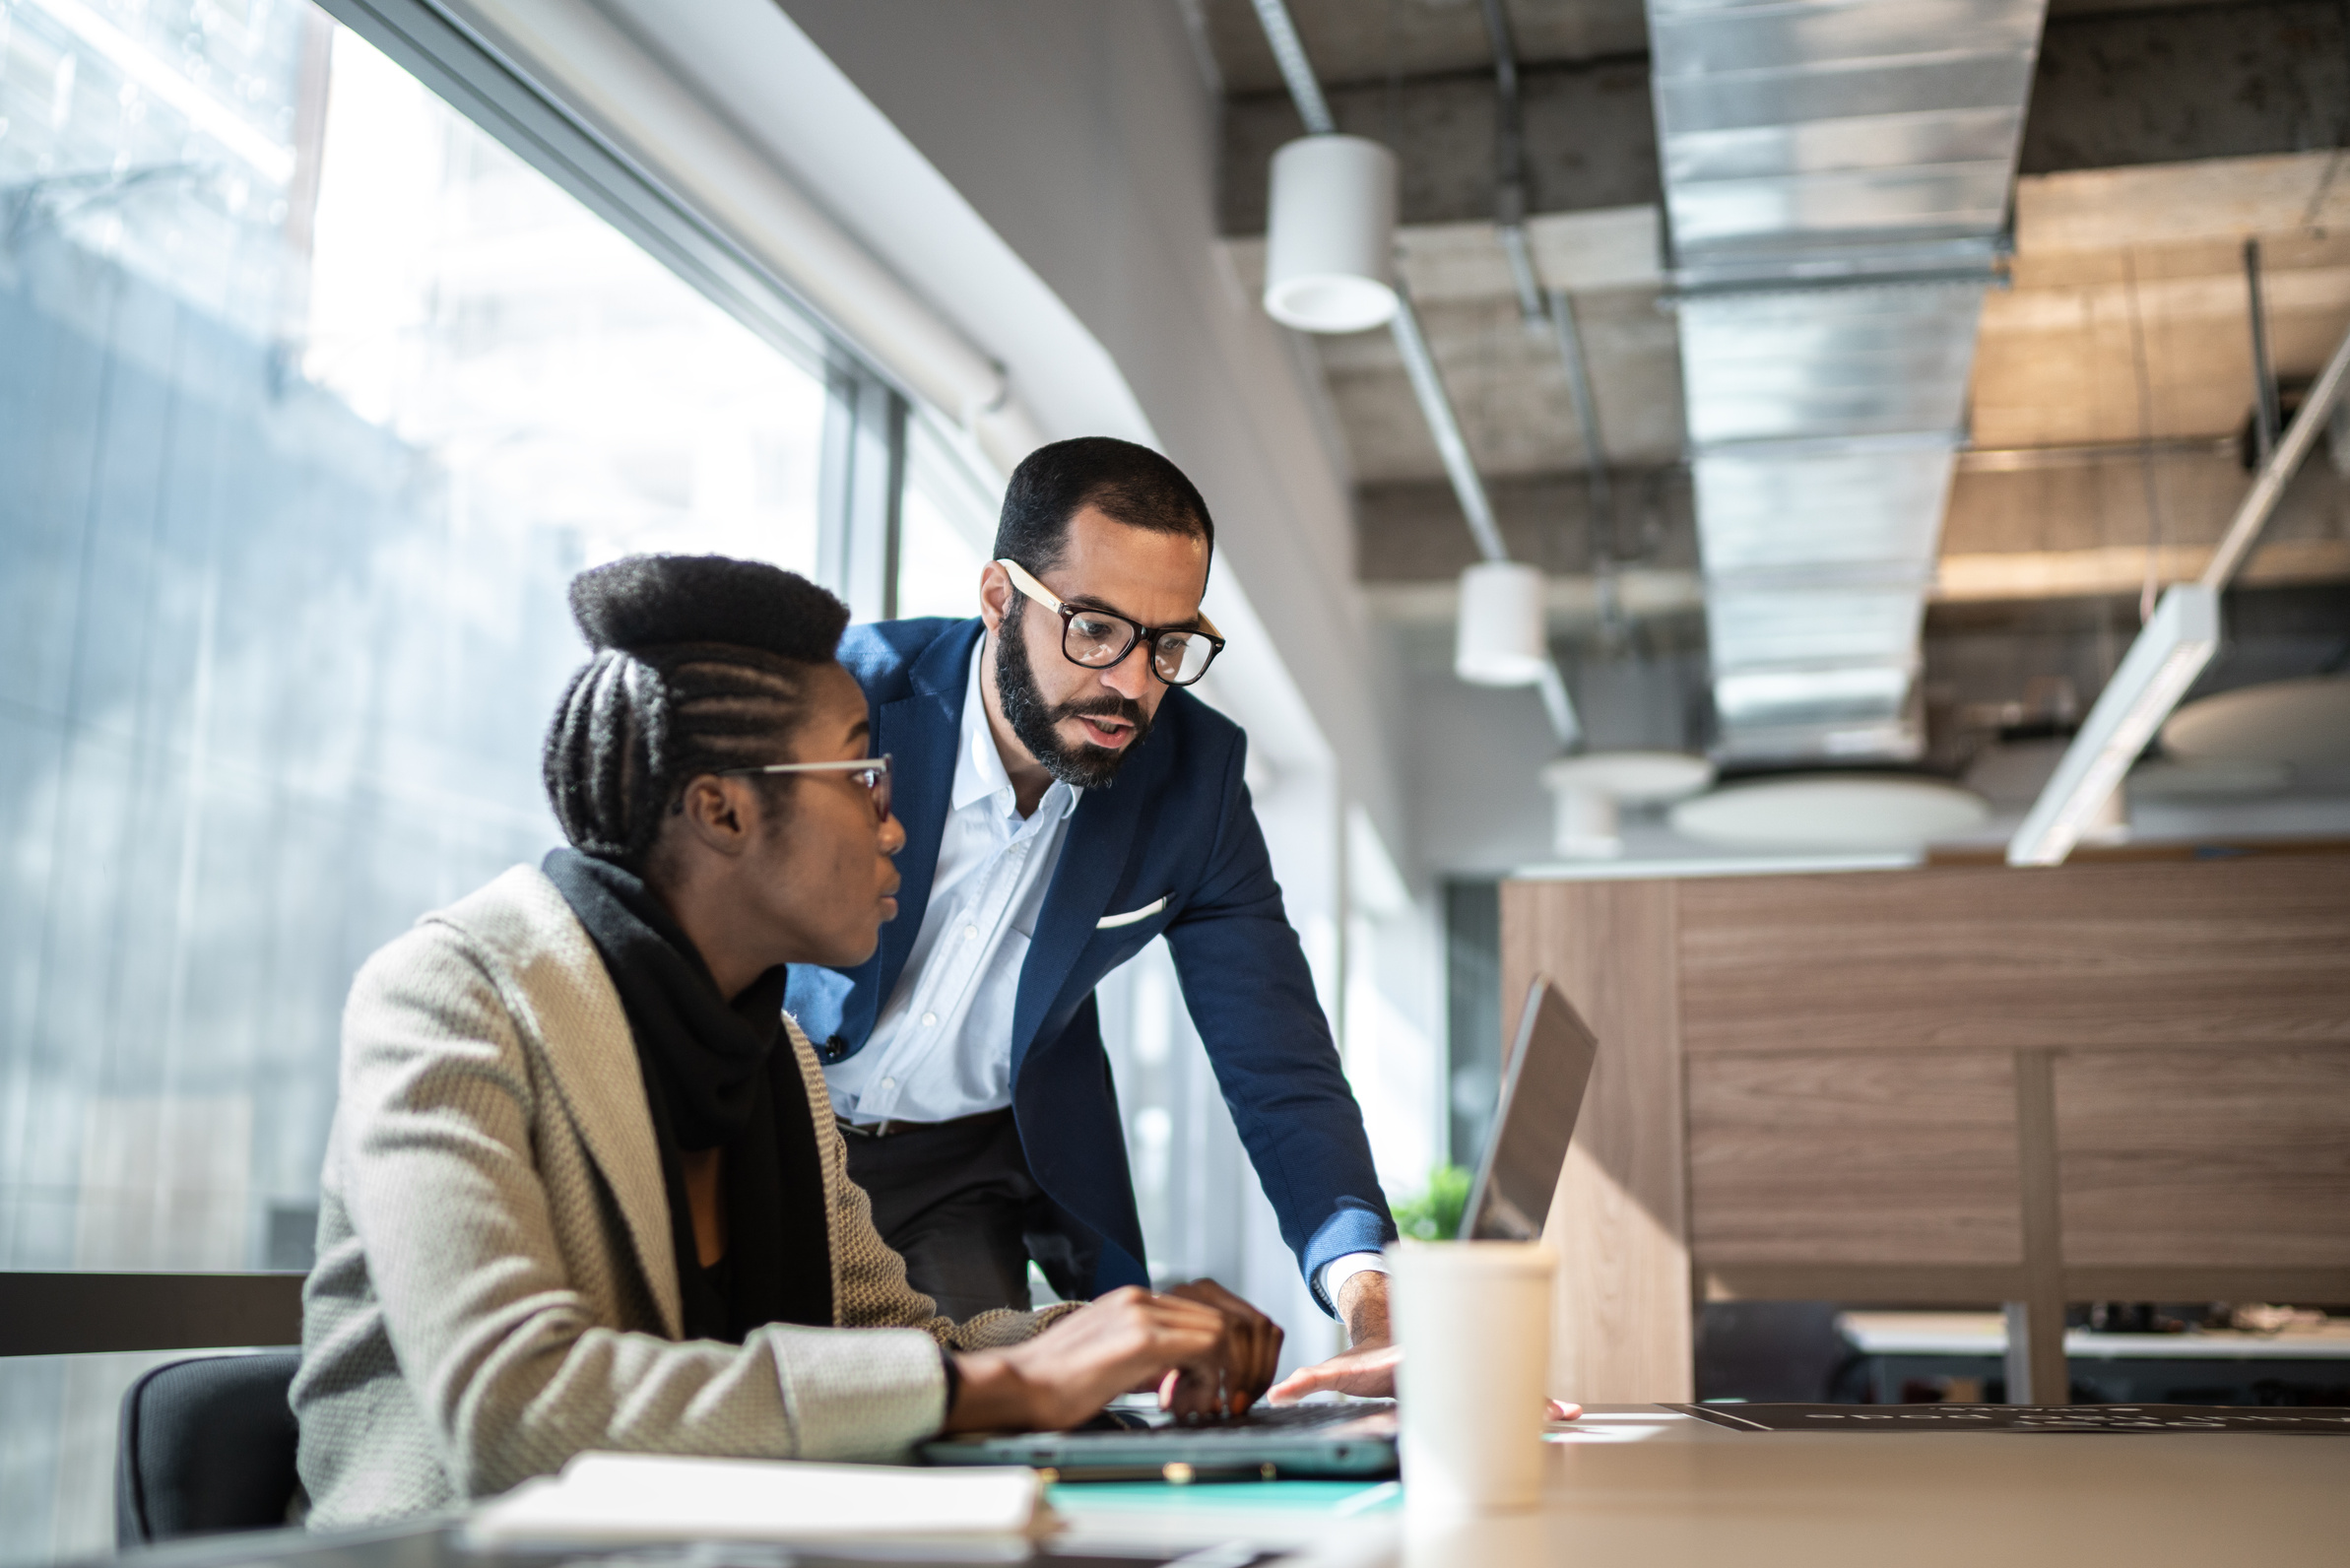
[1542, 1094]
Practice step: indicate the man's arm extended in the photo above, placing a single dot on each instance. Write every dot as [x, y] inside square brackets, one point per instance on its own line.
[1251, 995]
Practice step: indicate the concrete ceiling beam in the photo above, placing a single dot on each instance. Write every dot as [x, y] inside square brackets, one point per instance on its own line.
[1353, 44]
[1591, 141]
[2048, 523]
[2174, 86]
[2112, 91]
[1403, 532]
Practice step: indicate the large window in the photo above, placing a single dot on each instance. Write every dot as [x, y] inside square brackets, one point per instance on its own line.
[312, 397]
[948, 523]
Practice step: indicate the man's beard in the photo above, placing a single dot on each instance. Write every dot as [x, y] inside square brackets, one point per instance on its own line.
[1083, 765]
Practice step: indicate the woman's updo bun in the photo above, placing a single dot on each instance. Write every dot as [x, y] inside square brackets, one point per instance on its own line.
[699, 665]
[640, 602]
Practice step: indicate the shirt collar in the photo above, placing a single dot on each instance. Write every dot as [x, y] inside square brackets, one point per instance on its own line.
[979, 767]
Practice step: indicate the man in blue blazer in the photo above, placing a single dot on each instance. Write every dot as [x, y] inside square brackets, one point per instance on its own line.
[1065, 801]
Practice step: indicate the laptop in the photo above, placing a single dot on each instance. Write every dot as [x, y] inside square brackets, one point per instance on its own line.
[1541, 1095]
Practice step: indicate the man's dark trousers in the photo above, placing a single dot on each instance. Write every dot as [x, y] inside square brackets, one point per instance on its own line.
[957, 1201]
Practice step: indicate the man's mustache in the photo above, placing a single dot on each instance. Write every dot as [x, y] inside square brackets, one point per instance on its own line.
[1103, 707]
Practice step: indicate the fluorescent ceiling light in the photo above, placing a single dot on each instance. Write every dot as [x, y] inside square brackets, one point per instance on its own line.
[2171, 650]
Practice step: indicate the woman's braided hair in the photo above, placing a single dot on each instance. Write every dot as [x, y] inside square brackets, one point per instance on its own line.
[699, 665]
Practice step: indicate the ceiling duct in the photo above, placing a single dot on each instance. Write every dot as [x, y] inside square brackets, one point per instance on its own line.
[1837, 178]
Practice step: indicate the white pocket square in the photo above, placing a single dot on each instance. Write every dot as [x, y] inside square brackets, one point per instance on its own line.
[1106, 922]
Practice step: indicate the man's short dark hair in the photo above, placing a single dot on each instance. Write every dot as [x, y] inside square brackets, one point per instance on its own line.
[1130, 483]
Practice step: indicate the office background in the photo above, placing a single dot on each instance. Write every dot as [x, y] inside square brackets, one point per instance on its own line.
[333, 339]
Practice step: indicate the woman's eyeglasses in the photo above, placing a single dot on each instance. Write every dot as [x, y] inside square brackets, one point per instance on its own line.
[872, 771]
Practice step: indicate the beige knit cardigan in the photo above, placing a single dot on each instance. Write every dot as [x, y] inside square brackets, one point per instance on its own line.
[495, 1289]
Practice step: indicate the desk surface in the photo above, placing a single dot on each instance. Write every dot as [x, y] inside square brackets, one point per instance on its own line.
[1648, 1488]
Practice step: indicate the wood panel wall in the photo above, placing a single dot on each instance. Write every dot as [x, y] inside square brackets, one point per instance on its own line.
[1945, 1085]
[1620, 1216]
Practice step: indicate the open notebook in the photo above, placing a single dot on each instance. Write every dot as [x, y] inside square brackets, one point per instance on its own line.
[612, 1499]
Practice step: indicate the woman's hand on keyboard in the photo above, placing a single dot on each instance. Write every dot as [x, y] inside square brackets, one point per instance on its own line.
[1251, 1354]
[1204, 1349]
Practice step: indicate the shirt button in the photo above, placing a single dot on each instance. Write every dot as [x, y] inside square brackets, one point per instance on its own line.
[928, 1019]
[970, 933]
[889, 1084]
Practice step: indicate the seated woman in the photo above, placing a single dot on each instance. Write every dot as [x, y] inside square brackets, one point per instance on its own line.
[584, 1189]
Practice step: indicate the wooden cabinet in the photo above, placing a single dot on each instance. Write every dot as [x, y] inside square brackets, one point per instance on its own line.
[1944, 1085]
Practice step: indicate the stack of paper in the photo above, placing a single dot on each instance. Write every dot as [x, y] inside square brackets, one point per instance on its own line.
[645, 1497]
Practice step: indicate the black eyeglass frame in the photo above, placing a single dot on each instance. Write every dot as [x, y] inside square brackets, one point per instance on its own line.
[876, 770]
[1025, 581]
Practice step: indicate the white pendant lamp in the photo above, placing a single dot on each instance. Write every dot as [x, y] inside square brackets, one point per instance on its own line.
[2297, 723]
[1588, 793]
[1500, 640]
[1329, 246]
[1585, 824]
[2223, 778]
[1826, 810]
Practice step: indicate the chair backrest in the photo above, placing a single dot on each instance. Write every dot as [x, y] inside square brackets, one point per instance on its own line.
[206, 1446]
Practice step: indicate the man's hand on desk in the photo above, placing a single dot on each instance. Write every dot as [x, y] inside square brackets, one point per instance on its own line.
[1367, 1366]
[1205, 1350]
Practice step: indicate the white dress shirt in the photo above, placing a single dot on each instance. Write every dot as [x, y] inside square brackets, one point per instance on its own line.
[942, 1046]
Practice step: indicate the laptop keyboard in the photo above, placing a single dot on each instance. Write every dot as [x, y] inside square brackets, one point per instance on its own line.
[1257, 1422]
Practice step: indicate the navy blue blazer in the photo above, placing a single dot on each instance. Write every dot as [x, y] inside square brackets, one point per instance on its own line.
[1176, 825]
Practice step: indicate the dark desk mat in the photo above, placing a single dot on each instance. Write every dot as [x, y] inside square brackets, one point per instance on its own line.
[2334, 1419]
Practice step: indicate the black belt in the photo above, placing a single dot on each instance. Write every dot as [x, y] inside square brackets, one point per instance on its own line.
[889, 1129]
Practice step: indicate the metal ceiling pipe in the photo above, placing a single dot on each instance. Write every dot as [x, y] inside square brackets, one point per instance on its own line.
[2267, 414]
[1509, 165]
[1419, 363]
[1444, 428]
[1297, 72]
[1541, 308]
[1546, 310]
[1568, 337]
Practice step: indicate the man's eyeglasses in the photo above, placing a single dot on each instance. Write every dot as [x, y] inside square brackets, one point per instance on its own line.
[872, 771]
[1099, 639]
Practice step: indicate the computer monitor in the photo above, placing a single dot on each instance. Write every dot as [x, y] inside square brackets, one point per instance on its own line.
[1542, 1094]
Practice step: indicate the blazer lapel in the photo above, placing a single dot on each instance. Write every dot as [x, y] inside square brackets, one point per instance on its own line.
[1091, 859]
[920, 732]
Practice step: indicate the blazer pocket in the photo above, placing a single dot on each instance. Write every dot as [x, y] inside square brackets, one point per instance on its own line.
[1111, 922]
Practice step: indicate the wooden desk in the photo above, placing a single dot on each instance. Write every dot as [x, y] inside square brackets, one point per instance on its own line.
[1651, 1489]
[1696, 1494]
[1949, 1086]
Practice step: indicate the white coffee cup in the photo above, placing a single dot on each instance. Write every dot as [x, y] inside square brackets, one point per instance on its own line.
[1473, 1319]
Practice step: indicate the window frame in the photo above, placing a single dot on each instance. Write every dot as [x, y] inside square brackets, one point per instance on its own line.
[862, 482]
[863, 475]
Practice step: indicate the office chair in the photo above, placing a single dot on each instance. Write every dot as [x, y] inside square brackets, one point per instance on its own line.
[206, 1446]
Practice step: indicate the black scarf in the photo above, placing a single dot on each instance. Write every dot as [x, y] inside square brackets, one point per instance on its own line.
[711, 1082]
